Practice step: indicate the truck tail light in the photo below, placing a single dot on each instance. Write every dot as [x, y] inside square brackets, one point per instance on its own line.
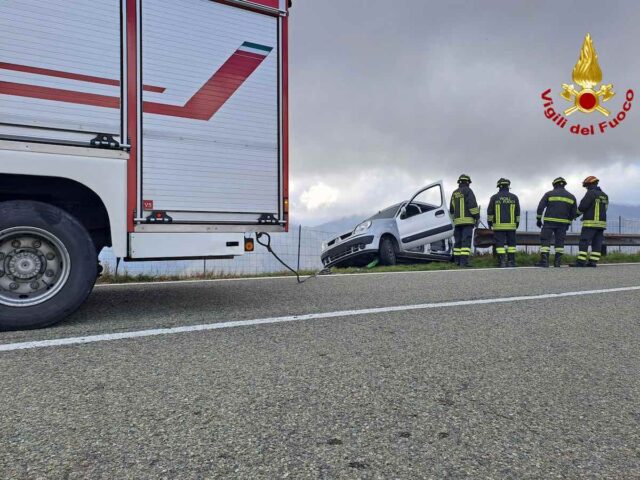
[248, 245]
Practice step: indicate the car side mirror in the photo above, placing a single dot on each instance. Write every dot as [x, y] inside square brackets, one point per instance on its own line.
[403, 213]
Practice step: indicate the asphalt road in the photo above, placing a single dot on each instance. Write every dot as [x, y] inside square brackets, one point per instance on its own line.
[543, 387]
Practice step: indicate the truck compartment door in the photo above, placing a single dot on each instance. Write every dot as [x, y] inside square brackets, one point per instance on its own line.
[60, 70]
[211, 133]
[425, 218]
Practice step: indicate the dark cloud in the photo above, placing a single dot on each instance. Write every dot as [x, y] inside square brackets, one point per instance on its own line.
[436, 88]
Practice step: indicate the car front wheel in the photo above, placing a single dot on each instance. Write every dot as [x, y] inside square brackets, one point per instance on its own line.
[387, 252]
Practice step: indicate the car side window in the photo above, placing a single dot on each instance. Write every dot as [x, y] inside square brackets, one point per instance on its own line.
[432, 196]
[427, 200]
[412, 210]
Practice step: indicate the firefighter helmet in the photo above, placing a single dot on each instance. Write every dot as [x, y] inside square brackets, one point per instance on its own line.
[590, 180]
[559, 181]
[504, 182]
[464, 179]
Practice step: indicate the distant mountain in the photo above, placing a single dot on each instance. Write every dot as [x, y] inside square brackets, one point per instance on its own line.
[345, 224]
[624, 211]
[341, 225]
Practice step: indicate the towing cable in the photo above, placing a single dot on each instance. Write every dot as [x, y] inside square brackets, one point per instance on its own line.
[267, 245]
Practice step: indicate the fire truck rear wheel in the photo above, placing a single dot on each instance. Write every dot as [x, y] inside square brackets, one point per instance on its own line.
[47, 265]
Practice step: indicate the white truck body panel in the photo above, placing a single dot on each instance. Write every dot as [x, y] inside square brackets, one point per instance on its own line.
[103, 171]
[182, 245]
[65, 45]
[203, 169]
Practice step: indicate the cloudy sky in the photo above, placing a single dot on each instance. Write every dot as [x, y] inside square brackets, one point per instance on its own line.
[387, 96]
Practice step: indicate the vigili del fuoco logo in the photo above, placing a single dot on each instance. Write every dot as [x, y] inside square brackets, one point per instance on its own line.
[588, 98]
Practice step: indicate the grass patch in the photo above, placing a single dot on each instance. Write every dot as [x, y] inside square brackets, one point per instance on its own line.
[489, 261]
[109, 277]
[478, 261]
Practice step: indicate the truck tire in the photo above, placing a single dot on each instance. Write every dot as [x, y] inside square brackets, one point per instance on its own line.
[387, 251]
[48, 265]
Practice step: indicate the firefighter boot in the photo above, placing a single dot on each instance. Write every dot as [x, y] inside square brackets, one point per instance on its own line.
[544, 260]
[464, 261]
[557, 261]
[512, 260]
[592, 264]
[579, 263]
[502, 259]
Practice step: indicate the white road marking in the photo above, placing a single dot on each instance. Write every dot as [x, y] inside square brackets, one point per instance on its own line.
[335, 275]
[295, 318]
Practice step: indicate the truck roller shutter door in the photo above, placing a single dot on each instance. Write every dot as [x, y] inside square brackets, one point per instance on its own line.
[211, 138]
[60, 69]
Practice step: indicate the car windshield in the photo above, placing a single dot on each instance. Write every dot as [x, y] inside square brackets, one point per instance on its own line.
[388, 212]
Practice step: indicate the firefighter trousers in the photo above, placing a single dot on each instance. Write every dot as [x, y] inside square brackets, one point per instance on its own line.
[593, 237]
[462, 240]
[555, 233]
[505, 241]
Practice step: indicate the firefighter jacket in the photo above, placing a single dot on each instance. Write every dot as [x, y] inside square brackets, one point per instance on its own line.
[558, 206]
[593, 208]
[464, 208]
[503, 212]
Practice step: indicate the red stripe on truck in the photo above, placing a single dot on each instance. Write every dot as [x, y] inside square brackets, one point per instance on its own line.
[133, 95]
[267, 3]
[285, 119]
[215, 92]
[59, 95]
[72, 76]
[201, 106]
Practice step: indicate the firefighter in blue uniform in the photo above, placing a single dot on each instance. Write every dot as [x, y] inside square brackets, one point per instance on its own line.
[503, 216]
[593, 208]
[556, 210]
[466, 214]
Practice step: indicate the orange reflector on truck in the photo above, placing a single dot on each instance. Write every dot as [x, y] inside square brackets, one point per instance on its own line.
[248, 245]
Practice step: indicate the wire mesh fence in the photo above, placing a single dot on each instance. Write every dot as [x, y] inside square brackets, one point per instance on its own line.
[616, 224]
[300, 248]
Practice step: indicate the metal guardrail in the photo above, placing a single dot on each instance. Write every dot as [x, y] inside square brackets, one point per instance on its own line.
[483, 238]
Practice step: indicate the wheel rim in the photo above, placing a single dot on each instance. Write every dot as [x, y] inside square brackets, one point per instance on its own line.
[34, 266]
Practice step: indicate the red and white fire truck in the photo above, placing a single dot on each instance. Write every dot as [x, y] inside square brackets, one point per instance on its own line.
[155, 127]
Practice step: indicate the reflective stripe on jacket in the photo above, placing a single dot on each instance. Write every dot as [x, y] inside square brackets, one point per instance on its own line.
[504, 211]
[593, 208]
[557, 206]
[463, 207]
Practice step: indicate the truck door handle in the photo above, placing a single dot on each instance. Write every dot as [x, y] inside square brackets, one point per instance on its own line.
[440, 213]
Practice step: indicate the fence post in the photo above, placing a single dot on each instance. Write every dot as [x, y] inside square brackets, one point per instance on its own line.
[526, 228]
[299, 241]
[620, 230]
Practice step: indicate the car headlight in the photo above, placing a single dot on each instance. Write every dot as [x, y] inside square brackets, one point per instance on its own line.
[363, 227]
[324, 246]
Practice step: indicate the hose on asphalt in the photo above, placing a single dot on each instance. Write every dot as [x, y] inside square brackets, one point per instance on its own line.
[267, 245]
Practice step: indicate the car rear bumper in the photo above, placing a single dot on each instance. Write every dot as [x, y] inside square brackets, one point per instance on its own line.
[349, 253]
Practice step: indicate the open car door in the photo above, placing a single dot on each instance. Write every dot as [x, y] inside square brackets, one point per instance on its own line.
[424, 219]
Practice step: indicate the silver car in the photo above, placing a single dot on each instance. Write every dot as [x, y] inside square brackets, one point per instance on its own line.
[418, 229]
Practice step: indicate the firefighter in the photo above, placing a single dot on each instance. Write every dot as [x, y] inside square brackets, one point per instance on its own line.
[503, 216]
[556, 211]
[593, 208]
[466, 214]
